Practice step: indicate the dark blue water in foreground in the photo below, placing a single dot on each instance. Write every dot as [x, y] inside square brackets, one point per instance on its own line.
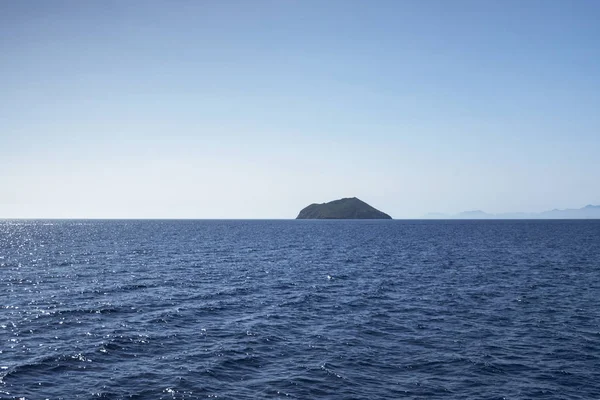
[300, 309]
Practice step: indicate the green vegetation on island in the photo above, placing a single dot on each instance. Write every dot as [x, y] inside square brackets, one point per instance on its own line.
[348, 208]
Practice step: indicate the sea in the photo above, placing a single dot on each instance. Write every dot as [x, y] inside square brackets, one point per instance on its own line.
[299, 309]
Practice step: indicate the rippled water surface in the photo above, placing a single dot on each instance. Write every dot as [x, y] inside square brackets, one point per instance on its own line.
[300, 309]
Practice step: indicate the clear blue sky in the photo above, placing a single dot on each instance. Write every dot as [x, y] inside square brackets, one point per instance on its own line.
[254, 109]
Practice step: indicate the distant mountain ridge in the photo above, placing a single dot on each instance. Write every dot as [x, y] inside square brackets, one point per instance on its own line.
[347, 208]
[587, 212]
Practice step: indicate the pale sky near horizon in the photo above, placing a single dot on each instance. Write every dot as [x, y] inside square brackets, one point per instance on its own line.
[255, 109]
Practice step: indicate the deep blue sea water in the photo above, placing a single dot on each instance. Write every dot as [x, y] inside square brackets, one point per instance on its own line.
[300, 309]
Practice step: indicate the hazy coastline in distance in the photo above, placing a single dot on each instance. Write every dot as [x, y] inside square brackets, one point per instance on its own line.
[587, 212]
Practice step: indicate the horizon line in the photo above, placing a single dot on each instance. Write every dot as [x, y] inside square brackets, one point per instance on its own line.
[283, 219]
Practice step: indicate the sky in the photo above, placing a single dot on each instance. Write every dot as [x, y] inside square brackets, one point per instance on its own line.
[255, 109]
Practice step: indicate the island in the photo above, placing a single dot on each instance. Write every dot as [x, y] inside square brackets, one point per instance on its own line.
[347, 208]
